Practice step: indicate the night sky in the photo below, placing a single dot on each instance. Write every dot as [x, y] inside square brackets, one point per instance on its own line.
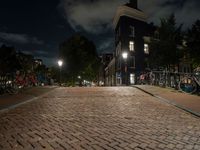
[38, 26]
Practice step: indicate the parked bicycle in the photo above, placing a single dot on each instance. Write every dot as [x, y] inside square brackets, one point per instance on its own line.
[190, 83]
[7, 85]
[12, 84]
[186, 82]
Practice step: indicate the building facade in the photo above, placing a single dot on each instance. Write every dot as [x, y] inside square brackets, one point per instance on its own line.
[131, 34]
[110, 78]
[105, 60]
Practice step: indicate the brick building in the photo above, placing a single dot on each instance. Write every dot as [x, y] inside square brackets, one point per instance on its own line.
[131, 37]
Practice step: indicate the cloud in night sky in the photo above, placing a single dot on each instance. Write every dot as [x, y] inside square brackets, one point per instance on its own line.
[93, 17]
[20, 38]
[37, 53]
[96, 16]
[106, 45]
[49, 59]
[186, 11]
[24, 27]
[46, 56]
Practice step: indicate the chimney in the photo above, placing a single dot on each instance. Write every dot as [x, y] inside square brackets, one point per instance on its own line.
[134, 4]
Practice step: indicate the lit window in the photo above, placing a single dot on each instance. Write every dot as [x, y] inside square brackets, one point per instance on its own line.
[131, 46]
[146, 48]
[132, 78]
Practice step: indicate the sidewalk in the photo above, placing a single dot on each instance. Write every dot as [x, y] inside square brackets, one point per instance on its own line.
[7, 101]
[188, 102]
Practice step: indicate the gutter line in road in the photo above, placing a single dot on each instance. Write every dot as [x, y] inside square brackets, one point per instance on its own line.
[24, 102]
[170, 102]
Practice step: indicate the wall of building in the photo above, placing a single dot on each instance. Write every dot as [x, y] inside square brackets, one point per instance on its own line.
[123, 36]
[110, 74]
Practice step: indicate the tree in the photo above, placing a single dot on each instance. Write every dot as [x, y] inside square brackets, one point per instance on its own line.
[8, 60]
[80, 57]
[165, 45]
[55, 73]
[193, 43]
[26, 61]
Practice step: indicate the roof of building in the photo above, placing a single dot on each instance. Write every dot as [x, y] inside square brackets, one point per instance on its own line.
[126, 10]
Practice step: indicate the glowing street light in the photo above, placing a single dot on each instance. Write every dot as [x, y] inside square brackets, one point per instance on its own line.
[125, 56]
[60, 64]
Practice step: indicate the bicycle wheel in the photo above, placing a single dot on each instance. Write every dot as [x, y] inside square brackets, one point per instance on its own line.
[188, 85]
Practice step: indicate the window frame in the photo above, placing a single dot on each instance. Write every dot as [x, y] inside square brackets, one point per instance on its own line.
[132, 46]
[146, 48]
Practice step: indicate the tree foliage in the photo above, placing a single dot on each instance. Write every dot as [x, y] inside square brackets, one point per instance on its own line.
[11, 61]
[165, 45]
[25, 61]
[8, 60]
[193, 43]
[80, 57]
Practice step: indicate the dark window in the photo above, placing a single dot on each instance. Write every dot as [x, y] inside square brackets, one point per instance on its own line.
[118, 64]
[132, 62]
[132, 31]
[118, 33]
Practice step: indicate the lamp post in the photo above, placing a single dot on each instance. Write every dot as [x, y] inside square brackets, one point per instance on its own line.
[125, 56]
[60, 63]
[79, 78]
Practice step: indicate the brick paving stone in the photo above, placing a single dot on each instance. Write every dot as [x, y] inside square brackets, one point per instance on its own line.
[112, 144]
[118, 148]
[143, 145]
[152, 145]
[123, 144]
[188, 101]
[170, 146]
[196, 147]
[127, 148]
[86, 146]
[29, 93]
[133, 145]
[179, 146]
[161, 146]
[189, 146]
[97, 147]
[116, 118]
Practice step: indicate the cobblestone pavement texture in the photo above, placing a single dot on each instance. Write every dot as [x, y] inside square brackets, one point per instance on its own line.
[25, 94]
[191, 102]
[113, 118]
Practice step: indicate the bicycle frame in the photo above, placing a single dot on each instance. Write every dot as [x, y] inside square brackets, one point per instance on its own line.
[189, 83]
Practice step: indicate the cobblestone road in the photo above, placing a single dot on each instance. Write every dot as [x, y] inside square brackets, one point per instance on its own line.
[98, 118]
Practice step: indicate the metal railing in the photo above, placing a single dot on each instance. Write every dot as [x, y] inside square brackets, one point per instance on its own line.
[186, 82]
[12, 84]
[7, 84]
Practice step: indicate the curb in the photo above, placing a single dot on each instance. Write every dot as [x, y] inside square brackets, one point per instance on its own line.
[169, 102]
[25, 102]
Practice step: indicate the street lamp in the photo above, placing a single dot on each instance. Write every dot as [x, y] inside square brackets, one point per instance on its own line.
[80, 80]
[125, 56]
[60, 63]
